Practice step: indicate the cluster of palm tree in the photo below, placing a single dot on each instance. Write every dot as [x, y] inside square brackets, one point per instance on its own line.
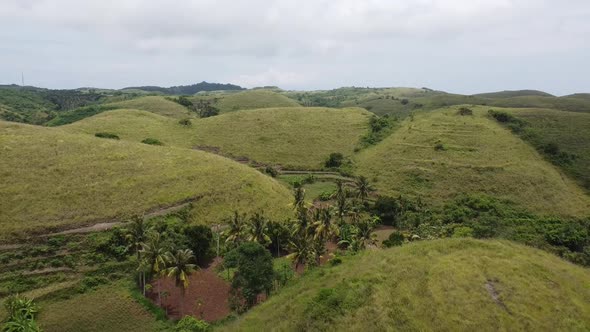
[305, 237]
[158, 259]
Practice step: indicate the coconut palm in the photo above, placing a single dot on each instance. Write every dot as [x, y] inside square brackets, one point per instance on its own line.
[325, 228]
[258, 229]
[301, 249]
[341, 195]
[180, 268]
[136, 234]
[154, 254]
[276, 232]
[237, 229]
[363, 188]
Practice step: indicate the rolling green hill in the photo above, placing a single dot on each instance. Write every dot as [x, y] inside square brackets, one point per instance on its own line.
[441, 154]
[52, 179]
[297, 137]
[155, 104]
[515, 93]
[568, 131]
[246, 100]
[443, 285]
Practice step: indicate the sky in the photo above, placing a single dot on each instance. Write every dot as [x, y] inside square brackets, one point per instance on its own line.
[461, 46]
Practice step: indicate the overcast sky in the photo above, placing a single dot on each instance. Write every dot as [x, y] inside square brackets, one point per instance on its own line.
[463, 46]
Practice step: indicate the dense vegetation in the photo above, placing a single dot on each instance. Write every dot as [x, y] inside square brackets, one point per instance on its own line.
[188, 89]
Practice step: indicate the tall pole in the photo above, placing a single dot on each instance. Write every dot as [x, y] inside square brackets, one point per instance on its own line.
[22, 78]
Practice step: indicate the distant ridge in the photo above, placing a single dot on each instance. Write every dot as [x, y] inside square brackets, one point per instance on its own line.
[513, 93]
[187, 89]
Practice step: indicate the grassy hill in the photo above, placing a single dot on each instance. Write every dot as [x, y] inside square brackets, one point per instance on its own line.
[443, 285]
[569, 131]
[52, 179]
[252, 99]
[296, 137]
[155, 104]
[515, 93]
[441, 154]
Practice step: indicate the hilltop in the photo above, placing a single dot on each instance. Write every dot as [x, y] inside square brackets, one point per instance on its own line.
[438, 155]
[294, 137]
[53, 179]
[188, 89]
[246, 100]
[447, 285]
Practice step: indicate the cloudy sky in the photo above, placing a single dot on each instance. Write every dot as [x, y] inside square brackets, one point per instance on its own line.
[463, 46]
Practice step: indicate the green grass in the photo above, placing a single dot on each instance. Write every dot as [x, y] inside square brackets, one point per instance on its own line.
[477, 155]
[246, 100]
[312, 190]
[433, 285]
[109, 308]
[54, 179]
[568, 130]
[297, 137]
[155, 104]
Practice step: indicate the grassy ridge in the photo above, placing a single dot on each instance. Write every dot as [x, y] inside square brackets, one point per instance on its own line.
[443, 285]
[54, 179]
[568, 130]
[246, 100]
[441, 154]
[155, 104]
[295, 137]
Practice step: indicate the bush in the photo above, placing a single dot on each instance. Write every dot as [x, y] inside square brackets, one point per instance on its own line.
[199, 239]
[89, 283]
[439, 147]
[465, 111]
[326, 195]
[463, 231]
[404, 101]
[334, 160]
[273, 172]
[185, 122]
[191, 324]
[106, 135]
[152, 141]
[394, 239]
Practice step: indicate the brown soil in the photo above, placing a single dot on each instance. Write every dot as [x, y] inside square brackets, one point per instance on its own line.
[206, 298]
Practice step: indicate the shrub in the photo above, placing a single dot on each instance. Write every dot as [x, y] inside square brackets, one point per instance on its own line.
[334, 160]
[89, 283]
[191, 324]
[152, 141]
[394, 239]
[106, 135]
[465, 111]
[463, 231]
[326, 195]
[273, 172]
[199, 239]
[185, 122]
[439, 147]
[404, 101]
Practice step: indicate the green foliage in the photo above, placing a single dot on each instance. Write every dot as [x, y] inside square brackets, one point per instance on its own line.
[465, 111]
[254, 274]
[272, 171]
[191, 324]
[198, 239]
[91, 283]
[185, 122]
[394, 239]
[21, 316]
[335, 160]
[439, 147]
[78, 114]
[107, 135]
[152, 141]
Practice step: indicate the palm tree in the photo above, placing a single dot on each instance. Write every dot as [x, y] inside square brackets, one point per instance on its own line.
[154, 254]
[276, 231]
[258, 229]
[237, 229]
[301, 249]
[136, 236]
[340, 196]
[180, 268]
[324, 226]
[363, 188]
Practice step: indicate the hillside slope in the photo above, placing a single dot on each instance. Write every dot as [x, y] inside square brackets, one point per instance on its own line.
[155, 104]
[246, 100]
[442, 285]
[53, 179]
[442, 154]
[296, 137]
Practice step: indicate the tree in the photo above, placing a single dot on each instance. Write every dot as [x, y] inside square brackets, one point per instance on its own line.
[258, 229]
[334, 160]
[341, 196]
[154, 253]
[324, 226]
[191, 324]
[136, 236]
[301, 249]
[299, 199]
[237, 229]
[199, 239]
[278, 233]
[254, 272]
[180, 268]
[362, 188]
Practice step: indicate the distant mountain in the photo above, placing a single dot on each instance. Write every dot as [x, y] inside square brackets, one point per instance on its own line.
[514, 93]
[187, 89]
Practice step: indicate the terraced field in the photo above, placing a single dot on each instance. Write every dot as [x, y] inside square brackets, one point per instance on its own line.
[439, 155]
